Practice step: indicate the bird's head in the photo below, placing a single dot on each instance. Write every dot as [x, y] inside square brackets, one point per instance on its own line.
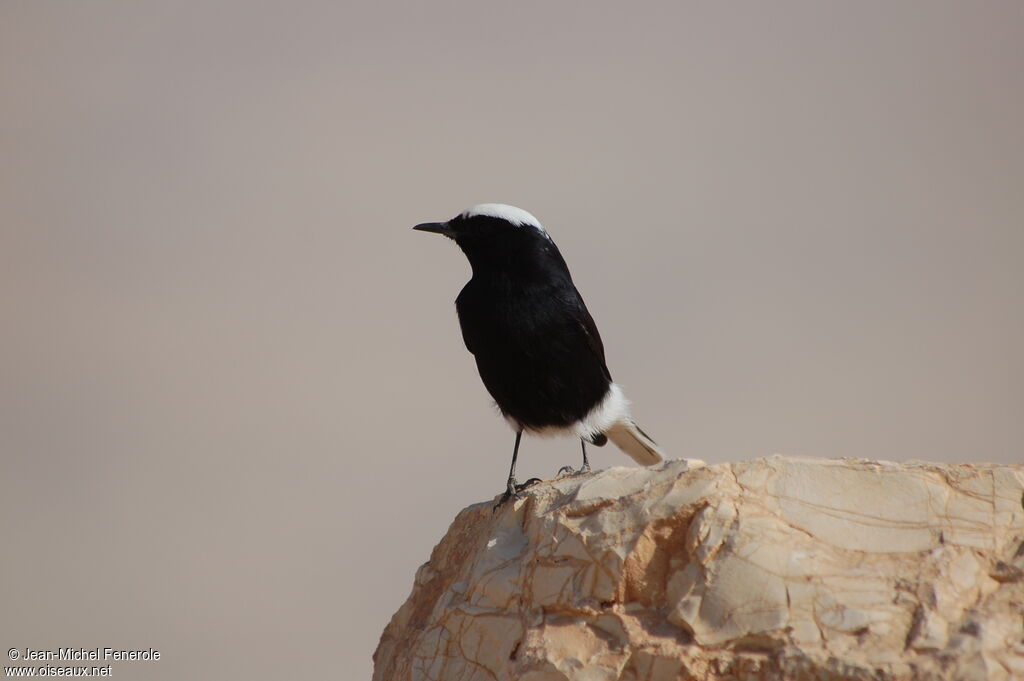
[495, 234]
[485, 221]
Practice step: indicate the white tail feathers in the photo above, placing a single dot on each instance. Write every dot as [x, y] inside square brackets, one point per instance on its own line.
[628, 437]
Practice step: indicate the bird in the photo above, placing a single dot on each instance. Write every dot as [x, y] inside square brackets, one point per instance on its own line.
[536, 346]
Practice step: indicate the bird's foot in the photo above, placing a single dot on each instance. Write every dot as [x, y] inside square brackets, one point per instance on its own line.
[513, 490]
[569, 470]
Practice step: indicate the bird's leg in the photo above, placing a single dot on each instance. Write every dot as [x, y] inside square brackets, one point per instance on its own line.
[513, 488]
[585, 468]
[510, 486]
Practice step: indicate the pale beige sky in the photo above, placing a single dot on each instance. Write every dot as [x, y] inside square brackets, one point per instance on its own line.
[235, 408]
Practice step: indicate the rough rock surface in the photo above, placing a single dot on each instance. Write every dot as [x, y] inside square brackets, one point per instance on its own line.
[777, 568]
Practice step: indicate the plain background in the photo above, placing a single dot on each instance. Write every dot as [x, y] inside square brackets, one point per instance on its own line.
[235, 408]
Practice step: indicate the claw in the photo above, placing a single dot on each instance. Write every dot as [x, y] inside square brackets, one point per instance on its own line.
[513, 490]
[569, 470]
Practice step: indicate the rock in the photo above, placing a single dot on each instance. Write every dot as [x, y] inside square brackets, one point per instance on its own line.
[777, 568]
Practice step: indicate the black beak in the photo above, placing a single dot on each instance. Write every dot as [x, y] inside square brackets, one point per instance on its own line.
[437, 228]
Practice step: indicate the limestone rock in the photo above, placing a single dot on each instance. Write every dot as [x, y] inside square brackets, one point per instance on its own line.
[777, 568]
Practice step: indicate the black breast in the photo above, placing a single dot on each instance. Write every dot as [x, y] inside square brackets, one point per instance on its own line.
[536, 347]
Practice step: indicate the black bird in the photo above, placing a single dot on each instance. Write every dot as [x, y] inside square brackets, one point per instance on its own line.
[536, 346]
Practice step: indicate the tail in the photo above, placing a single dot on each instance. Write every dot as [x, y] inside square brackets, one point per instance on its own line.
[628, 437]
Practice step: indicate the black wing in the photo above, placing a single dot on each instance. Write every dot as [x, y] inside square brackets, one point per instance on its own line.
[589, 328]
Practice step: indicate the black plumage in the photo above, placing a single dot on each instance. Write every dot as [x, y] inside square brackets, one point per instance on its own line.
[536, 345]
